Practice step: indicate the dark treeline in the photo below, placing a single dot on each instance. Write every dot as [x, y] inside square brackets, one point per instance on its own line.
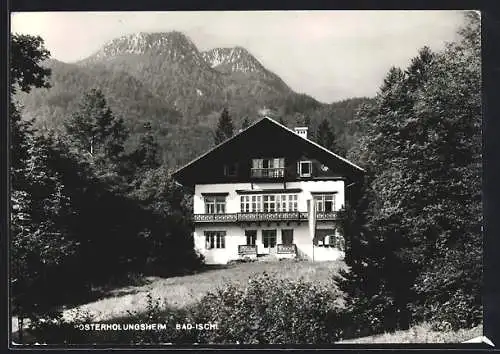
[85, 211]
[415, 240]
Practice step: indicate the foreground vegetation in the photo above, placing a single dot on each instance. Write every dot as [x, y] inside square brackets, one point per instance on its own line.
[422, 333]
[180, 292]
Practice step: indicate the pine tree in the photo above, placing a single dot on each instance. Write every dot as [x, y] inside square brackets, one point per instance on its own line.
[307, 121]
[225, 128]
[325, 136]
[97, 134]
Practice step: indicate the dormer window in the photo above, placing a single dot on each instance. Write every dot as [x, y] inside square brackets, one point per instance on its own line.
[231, 169]
[305, 168]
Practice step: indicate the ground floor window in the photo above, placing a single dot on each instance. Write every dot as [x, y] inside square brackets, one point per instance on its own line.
[329, 238]
[251, 236]
[269, 238]
[215, 239]
[287, 237]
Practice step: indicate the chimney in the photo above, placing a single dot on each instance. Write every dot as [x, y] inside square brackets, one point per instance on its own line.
[302, 131]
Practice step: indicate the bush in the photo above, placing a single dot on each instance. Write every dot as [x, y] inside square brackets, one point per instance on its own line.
[271, 311]
[53, 328]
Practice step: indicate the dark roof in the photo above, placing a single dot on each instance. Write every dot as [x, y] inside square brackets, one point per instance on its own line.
[254, 134]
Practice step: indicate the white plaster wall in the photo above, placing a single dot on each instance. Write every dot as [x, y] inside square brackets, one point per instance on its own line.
[235, 235]
[233, 199]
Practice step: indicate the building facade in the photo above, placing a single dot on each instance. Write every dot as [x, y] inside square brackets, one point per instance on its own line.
[268, 191]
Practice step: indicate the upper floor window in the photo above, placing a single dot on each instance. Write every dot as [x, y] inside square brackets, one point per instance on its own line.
[231, 169]
[269, 203]
[268, 168]
[305, 168]
[325, 202]
[215, 204]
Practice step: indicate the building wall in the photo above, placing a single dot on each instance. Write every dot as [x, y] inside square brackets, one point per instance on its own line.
[233, 199]
[235, 236]
[235, 233]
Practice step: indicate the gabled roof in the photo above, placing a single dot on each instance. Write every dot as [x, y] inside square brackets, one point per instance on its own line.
[178, 174]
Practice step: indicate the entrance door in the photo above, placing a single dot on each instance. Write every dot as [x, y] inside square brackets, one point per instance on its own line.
[269, 241]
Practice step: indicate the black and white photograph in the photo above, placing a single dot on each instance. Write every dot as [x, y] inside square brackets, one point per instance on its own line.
[245, 178]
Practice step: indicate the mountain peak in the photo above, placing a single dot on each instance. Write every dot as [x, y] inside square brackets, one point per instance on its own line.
[174, 44]
[233, 59]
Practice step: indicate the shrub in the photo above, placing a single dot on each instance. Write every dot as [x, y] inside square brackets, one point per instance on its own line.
[53, 328]
[271, 311]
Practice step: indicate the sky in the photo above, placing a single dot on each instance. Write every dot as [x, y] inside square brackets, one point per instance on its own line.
[330, 55]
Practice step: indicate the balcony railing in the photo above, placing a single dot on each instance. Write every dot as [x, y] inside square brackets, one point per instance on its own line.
[247, 249]
[277, 172]
[326, 215]
[247, 217]
[264, 216]
[286, 249]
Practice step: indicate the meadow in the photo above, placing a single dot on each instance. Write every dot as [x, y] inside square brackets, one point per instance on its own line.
[182, 291]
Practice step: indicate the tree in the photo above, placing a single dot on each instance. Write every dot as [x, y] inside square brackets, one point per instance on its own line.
[39, 241]
[282, 121]
[424, 125]
[97, 134]
[26, 54]
[307, 121]
[325, 136]
[225, 128]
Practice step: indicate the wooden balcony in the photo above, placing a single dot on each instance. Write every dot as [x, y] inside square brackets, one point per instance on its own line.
[278, 172]
[250, 217]
[262, 216]
[326, 215]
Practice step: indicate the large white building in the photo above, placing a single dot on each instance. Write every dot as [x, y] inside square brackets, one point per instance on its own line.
[268, 190]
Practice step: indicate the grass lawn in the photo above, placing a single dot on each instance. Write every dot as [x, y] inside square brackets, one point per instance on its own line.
[184, 290]
[420, 334]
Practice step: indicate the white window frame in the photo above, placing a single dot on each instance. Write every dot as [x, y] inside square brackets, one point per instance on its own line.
[322, 199]
[251, 237]
[299, 168]
[275, 167]
[269, 203]
[215, 239]
[215, 204]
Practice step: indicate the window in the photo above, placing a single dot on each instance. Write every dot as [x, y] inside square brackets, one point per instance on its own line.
[268, 168]
[269, 238]
[245, 203]
[251, 236]
[329, 238]
[230, 170]
[215, 239]
[292, 202]
[305, 168]
[287, 237]
[268, 203]
[325, 202]
[215, 204]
